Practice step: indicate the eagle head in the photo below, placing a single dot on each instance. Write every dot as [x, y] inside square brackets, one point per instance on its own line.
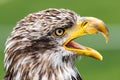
[41, 46]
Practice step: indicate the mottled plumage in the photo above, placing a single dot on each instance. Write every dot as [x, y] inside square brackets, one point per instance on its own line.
[34, 52]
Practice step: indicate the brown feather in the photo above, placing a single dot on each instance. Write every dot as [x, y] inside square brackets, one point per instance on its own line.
[33, 53]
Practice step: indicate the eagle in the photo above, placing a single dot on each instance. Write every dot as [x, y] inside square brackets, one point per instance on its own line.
[42, 46]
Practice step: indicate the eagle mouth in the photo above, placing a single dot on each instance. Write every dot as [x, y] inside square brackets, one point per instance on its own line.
[79, 49]
[75, 45]
[88, 25]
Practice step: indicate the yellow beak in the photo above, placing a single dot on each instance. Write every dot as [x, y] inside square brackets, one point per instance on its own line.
[87, 25]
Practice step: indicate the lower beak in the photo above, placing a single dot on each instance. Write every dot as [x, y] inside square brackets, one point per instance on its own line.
[87, 25]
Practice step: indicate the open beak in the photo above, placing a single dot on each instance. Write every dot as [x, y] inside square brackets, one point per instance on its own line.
[87, 25]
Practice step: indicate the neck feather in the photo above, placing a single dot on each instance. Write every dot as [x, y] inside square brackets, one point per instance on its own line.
[50, 65]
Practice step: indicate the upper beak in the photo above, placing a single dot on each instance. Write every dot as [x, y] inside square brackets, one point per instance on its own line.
[93, 25]
[87, 25]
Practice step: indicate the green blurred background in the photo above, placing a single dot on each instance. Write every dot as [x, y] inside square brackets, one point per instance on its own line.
[12, 11]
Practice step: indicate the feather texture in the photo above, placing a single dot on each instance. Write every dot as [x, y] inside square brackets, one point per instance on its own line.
[33, 53]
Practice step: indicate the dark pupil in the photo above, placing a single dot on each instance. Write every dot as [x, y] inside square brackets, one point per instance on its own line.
[59, 31]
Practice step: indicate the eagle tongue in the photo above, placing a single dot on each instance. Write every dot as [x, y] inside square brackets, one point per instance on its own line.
[75, 45]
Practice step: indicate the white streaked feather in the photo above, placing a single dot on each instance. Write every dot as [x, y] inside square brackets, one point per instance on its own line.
[18, 76]
[36, 76]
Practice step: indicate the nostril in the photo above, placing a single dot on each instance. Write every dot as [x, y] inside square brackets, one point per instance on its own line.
[84, 23]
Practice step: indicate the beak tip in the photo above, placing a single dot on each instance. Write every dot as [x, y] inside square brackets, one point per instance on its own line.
[106, 41]
[107, 38]
[101, 59]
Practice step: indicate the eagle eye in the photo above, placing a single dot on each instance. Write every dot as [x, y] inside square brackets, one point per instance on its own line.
[59, 32]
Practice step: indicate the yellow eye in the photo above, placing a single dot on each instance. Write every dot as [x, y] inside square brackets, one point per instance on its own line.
[59, 31]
